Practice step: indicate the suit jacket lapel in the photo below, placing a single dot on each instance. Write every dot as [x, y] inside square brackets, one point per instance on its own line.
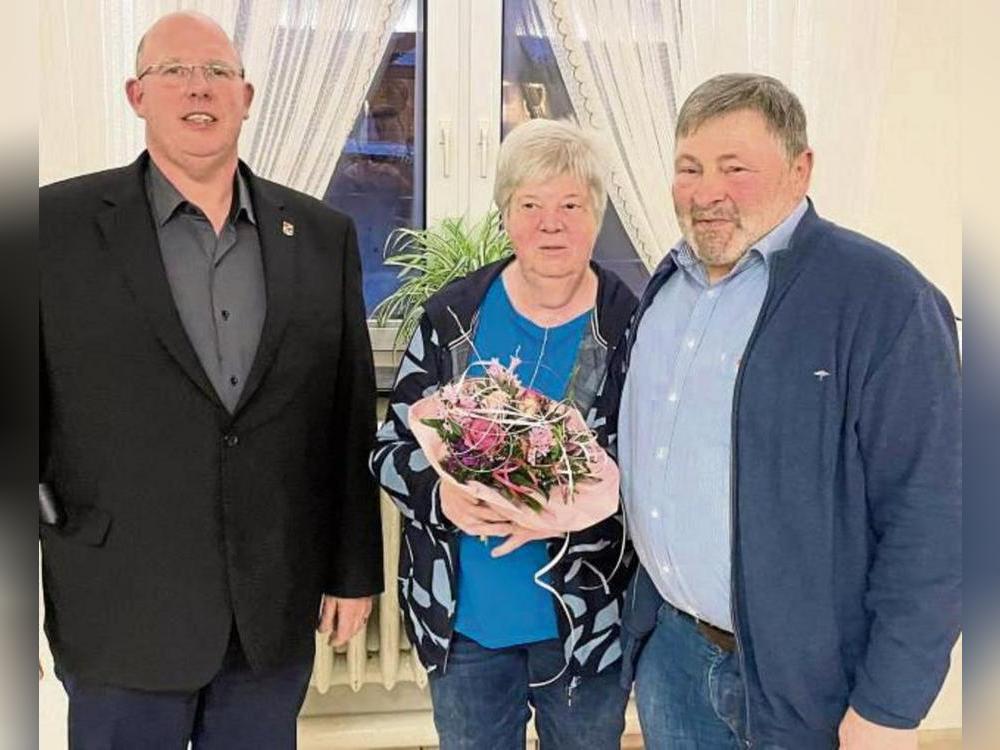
[128, 228]
[277, 242]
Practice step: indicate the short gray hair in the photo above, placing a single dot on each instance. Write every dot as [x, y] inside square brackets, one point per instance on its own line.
[731, 92]
[540, 150]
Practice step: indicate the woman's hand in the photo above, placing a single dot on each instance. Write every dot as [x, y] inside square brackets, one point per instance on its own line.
[519, 537]
[471, 515]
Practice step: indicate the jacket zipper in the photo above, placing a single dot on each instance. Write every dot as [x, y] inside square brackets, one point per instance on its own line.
[453, 582]
[445, 355]
[733, 472]
[563, 615]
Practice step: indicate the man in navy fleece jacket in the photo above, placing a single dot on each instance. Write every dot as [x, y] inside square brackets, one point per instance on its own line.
[789, 434]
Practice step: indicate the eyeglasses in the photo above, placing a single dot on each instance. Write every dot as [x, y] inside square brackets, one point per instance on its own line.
[181, 73]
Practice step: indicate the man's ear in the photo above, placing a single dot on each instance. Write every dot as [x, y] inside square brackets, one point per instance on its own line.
[135, 94]
[248, 92]
[802, 166]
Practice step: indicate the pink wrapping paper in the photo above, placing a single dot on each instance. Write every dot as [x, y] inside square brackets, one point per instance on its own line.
[593, 500]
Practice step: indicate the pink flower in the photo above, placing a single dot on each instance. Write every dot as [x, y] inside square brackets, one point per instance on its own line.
[495, 370]
[500, 374]
[540, 440]
[450, 393]
[483, 435]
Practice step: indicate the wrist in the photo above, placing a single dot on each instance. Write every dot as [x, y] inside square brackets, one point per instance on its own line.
[876, 714]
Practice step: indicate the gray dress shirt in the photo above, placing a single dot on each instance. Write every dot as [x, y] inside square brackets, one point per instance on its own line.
[217, 281]
[675, 424]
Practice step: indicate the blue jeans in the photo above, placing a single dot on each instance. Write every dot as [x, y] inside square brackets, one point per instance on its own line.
[481, 701]
[689, 692]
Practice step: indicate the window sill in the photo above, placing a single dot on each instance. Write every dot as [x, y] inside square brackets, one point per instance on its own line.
[385, 354]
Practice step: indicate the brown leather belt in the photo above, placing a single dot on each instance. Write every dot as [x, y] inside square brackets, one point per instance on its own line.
[716, 636]
[721, 638]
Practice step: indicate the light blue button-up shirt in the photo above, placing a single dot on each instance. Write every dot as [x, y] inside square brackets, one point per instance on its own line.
[675, 423]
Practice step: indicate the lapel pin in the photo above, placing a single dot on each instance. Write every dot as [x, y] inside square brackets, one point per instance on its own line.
[287, 228]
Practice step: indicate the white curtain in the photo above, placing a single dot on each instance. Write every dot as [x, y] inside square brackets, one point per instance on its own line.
[629, 64]
[311, 62]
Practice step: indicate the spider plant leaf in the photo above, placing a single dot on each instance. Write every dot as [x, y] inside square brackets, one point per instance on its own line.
[429, 259]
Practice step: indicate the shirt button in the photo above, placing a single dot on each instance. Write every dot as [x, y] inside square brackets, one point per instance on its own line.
[690, 343]
[231, 440]
[234, 380]
[672, 397]
[225, 314]
[712, 293]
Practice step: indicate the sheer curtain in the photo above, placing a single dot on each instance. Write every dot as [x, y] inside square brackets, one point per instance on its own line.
[311, 62]
[629, 65]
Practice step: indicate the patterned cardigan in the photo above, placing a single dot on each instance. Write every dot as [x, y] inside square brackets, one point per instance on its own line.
[591, 576]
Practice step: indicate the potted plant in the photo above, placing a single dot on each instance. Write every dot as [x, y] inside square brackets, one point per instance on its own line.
[430, 258]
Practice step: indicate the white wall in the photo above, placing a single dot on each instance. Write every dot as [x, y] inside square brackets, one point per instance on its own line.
[916, 201]
[915, 206]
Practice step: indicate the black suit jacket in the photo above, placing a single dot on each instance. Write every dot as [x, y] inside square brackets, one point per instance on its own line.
[182, 517]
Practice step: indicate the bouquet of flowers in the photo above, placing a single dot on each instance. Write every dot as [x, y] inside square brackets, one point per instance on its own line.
[532, 458]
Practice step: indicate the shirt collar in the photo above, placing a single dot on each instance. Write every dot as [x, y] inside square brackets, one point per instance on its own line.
[166, 199]
[245, 205]
[779, 237]
[775, 240]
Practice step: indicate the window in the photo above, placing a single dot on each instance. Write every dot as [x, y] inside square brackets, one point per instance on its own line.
[379, 179]
[533, 87]
[424, 145]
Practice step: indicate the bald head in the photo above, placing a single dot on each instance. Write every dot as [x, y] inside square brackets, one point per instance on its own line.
[190, 90]
[181, 23]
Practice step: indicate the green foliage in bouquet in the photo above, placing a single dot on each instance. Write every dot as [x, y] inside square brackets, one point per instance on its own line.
[430, 258]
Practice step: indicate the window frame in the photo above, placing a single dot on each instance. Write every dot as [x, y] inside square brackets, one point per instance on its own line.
[463, 42]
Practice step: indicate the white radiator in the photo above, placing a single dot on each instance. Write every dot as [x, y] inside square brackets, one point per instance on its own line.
[381, 657]
[381, 653]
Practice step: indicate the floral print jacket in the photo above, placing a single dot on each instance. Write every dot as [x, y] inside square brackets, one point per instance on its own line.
[596, 563]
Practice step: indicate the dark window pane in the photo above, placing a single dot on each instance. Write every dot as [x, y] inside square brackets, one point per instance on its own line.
[533, 87]
[379, 179]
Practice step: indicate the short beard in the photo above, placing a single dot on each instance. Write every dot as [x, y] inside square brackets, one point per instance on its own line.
[716, 256]
[711, 253]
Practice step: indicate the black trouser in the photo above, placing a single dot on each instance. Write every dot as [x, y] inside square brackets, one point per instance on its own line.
[237, 709]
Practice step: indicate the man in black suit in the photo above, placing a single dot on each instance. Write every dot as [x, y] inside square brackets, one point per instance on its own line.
[207, 409]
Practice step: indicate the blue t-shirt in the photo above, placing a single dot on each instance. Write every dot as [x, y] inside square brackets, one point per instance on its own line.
[499, 604]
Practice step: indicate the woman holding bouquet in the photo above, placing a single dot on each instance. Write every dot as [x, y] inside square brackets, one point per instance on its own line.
[494, 641]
